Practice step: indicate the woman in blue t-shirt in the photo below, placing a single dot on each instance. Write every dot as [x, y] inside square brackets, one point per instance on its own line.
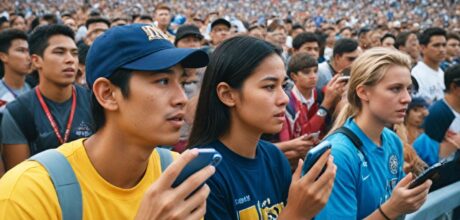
[370, 181]
[241, 98]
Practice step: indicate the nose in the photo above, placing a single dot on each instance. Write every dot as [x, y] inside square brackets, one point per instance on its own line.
[406, 98]
[282, 98]
[70, 58]
[179, 98]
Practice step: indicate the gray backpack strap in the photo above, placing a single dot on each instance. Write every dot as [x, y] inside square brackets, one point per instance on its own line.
[65, 182]
[165, 158]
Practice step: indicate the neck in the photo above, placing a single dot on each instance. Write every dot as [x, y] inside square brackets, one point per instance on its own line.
[55, 93]
[371, 126]
[14, 80]
[334, 67]
[307, 93]
[116, 157]
[241, 139]
[453, 101]
[163, 28]
[432, 64]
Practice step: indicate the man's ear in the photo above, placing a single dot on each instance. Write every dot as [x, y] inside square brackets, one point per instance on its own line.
[3, 57]
[226, 94]
[105, 93]
[37, 61]
[363, 93]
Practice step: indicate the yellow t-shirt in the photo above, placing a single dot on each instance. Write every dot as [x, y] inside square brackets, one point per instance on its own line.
[26, 191]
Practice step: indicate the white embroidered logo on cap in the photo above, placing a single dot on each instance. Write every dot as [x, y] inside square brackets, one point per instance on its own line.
[154, 33]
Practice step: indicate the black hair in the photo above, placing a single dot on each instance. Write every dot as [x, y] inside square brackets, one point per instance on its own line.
[97, 20]
[7, 36]
[345, 28]
[344, 45]
[232, 62]
[82, 52]
[452, 35]
[301, 61]
[297, 26]
[303, 38]
[363, 31]
[401, 39]
[38, 40]
[50, 18]
[426, 35]
[387, 35]
[120, 78]
[145, 17]
[452, 75]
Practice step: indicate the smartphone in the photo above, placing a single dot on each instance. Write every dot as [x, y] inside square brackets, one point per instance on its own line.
[206, 156]
[343, 78]
[313, 155]
[315, 134]
[431, 173]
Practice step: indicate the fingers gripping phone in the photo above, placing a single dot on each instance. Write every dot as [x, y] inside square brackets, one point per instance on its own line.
[313, 155]
[206, 156]
[431, 173]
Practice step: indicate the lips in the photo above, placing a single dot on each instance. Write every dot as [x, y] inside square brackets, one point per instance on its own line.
[176, 120]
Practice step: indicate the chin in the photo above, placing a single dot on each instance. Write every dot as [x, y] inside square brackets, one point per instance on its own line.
[273, 129]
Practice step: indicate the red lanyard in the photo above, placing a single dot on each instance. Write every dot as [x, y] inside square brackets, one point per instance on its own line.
[50, 117]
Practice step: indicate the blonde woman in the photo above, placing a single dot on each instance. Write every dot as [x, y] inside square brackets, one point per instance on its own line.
[370, 181]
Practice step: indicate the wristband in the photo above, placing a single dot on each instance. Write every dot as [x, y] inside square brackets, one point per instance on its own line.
[383, 214]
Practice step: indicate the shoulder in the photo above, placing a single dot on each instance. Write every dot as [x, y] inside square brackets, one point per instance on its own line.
[343, 150]
[28, 189]
[82, 91]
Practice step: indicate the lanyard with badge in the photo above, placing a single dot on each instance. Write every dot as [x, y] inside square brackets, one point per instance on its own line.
[50, 117]
[10, 90]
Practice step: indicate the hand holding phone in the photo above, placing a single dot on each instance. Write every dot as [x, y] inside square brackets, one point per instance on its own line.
[313, 155]
[206, 156]
[431, 173]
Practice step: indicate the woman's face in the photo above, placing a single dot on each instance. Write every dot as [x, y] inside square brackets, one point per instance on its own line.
[387, 101]
[261, 101]
[416, 115]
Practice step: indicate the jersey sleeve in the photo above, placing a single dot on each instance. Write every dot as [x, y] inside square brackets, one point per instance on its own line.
[427, 149]
[28, 193]
[342, 203]
[11, 133]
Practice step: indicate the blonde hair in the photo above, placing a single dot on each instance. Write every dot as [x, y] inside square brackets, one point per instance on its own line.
[368, 70]
[414, 164]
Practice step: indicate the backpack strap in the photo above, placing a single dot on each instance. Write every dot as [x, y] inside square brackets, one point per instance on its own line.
[65, 183]
[165, 158]
[24, 119]
[354, 139]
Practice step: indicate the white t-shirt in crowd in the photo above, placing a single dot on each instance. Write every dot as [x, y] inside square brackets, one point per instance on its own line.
[430, 81]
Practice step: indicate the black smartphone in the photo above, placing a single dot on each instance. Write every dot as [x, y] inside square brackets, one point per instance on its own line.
[431, 173]
[206, 156]
[313, 155]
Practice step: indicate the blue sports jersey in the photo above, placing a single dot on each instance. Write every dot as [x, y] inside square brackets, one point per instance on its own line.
[244, 188]
[363, 180]
[427, 149]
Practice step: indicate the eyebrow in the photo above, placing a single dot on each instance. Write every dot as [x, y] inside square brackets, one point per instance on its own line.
[65, 48]
[272, 78]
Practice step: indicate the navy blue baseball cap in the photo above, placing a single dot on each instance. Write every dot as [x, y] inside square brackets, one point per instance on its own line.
[137, 47]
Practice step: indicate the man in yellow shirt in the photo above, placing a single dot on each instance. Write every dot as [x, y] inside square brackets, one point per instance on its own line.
[137, 103]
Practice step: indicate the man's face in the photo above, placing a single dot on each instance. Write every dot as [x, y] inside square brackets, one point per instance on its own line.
[17, 59]
[120, 22]
[94, 31]
[346, 59]
[435, 50]
[219, 33]
[412, 46]
[149, 117]
[19, 23]
[70, 22]
[453, 48]
[190, 41]
[163, 17]
[59, 63]
[311, 48]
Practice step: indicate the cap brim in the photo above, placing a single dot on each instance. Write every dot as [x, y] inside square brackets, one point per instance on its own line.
[164, 59]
